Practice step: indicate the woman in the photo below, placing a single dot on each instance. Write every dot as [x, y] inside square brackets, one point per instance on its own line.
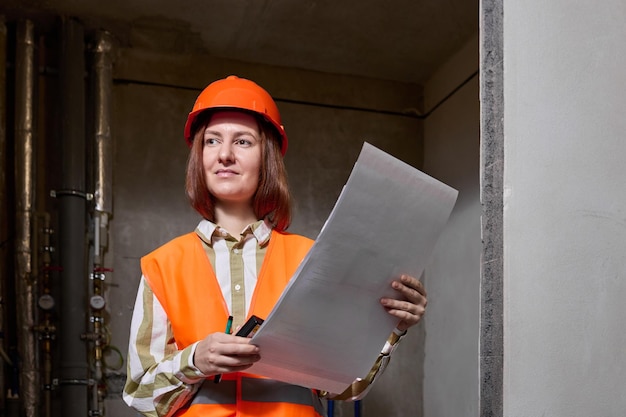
[236, 263]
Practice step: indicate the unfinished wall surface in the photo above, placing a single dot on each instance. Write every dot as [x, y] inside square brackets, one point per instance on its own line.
[564, 198]
[153, 92]
[158, 71]
[451, 154]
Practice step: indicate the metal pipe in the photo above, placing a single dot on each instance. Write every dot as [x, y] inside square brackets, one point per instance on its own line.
[103, 194]
[42, 254]
[24, 185]
[72, 223]
[46, 328]
[3, 200]
[103, 74]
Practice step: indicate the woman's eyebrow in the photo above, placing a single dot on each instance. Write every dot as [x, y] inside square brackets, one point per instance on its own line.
[236, 133]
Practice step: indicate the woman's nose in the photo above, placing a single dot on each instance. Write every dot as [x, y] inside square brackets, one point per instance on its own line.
[226, 152]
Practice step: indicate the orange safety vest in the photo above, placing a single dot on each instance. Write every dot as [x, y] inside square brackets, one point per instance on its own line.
[182, 278]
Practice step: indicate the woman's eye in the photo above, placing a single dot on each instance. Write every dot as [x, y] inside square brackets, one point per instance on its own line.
[243, 142]
[210, 141]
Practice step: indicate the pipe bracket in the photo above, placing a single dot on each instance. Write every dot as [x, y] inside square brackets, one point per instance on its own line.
[73, 193]
[74, 381]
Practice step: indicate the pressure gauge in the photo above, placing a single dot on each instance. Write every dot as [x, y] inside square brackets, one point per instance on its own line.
[97, 302]
[46, 302]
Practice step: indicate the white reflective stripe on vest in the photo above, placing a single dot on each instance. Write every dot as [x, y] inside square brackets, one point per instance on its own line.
[257, 390]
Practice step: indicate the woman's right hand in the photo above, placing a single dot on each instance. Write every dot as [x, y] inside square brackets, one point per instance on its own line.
[220, 353]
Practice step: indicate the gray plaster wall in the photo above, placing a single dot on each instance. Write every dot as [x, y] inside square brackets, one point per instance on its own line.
[152, 94]
[451, 154]
[564, 208]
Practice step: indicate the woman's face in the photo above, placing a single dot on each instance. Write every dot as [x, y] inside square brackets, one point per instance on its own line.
[231, 157]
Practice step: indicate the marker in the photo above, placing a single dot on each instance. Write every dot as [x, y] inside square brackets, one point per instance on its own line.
[218, 377]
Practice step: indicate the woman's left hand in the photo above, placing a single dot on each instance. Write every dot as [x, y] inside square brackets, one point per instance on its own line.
[410, 306]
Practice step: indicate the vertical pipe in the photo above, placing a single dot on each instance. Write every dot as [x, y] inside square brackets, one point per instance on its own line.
[72, 223]
[42, 249]
[103, 74]
[46, 328]
[24, 186]
[103, 77]
[3, 200]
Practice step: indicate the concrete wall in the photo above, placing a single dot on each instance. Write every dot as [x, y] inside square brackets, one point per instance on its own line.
[451, 154]
[153, 93]
[564, 198]
[327, 119]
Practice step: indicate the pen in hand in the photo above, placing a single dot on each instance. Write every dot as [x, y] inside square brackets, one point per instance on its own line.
[218, 377]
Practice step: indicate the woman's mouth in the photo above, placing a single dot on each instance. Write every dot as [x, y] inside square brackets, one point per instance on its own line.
[225, 173]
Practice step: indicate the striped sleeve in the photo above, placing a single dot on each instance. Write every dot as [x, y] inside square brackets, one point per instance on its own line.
[359, 388]
[160, 378]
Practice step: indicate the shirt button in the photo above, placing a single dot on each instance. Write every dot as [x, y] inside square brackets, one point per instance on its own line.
[236, 251]
[237, 287]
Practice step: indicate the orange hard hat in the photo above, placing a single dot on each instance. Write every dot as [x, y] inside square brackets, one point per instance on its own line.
[233, 92]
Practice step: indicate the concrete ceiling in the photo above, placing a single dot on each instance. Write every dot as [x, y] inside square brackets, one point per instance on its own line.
[400, 40]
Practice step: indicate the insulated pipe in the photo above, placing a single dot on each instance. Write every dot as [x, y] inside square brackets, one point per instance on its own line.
[72, 223]
[103, 74]
[25, 284]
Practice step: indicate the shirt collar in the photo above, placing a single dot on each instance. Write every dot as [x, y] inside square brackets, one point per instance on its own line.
[209, 231]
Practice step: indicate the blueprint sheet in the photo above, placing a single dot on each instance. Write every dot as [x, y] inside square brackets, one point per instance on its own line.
[328, 327]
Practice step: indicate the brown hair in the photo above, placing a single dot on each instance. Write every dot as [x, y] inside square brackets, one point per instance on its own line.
[272, 198]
